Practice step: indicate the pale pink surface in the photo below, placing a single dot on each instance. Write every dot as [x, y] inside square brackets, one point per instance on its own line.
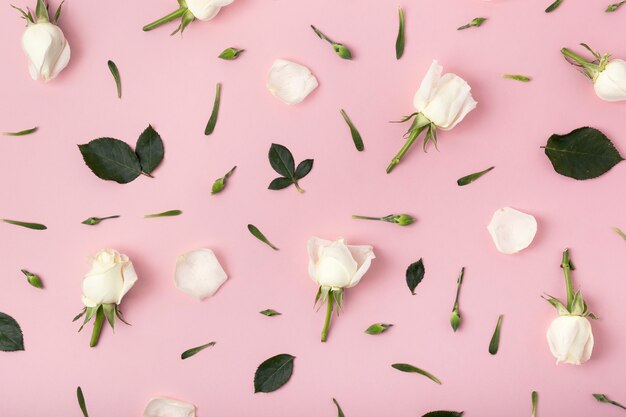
[169, 82]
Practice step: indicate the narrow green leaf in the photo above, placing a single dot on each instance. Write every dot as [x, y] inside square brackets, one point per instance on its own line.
[220, 183]
[444, 414]
[81, 401]
[190, 352]
[533, 398]
[468, 179]
[116, 76]
[169, 213]
[415, 274]
[33, 279]
[34, 226]
[476, 22]
[210, 127]
[517, 77]
[356, 136]
[273, 373]
[620, 233]
[614, 6]
[400, 38]
[92, 221]
[339, 410]
[378, 328]
[150, 150]
[270, 313]
[11, 338]
[257, 233]
[405, 367]
[495, 339]
[554, 6]
[230, 53]
[21, 132]
[111, 159]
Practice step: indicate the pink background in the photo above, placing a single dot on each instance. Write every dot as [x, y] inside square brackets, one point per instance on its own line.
[169, 82]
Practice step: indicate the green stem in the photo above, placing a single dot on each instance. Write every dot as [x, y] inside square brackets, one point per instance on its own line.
[321, 35]
[567, 271]
[617, 404]
[458, 290]
[165, 19]
[367, 218]
[329, 313]
[300, 190]
[97, 327]
[409, 142]
[582, 61]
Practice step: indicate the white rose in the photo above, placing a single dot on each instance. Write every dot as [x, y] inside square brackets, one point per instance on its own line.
[336, 265]
[206, 9]
[290, 82]
[570, 339]
[111, 276]
[166, 407]
[199, 273]
[47, 50]
[610, 84]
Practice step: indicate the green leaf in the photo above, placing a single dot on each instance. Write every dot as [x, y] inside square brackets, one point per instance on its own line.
[21, 132]
[11, 338]
[339, 410]
[34, 226]
[280, 183]
[230, 53]
[273, 373]
[111, 159]
[533, 399]
[495, 339]
[270, 313]
[210, 127]
[304, 168]
[33, 279]
[476, 22]
[468, 179]
[378, 328]
[405, 367]
[415, 274]
[614, 6]
[620, 233]
[220, 183]
[400, 38]
[582, 154]
[116, 76]
[81, 401]
[170, 213]
[257, 233]
[150, 150]
[92, 221]
[554, 6]
[282, 162]
[517, 77]
[190, 352]
[444, 414]
[356, 136]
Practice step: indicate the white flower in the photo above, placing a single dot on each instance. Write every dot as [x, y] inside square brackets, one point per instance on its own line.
[111, 276]
[47, 50]
[512, 230]
[610, 84]
[444, 100]
[336, 265]
[199, 273]
[570, 339]
[166, 407]
[206, 9]
[290, 82]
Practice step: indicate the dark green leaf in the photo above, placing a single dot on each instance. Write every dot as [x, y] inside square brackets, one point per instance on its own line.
[400, 38]
[339, 410]
[230, 53]
[444, 414]
[21, 132]
[378, 328]
[405, 367]
[280, 183]
[495, 339]
[304, 168]
[190, 352]
[257, 233]
[116, 76]
[270, 313]
[356, 136]
[149, 150]
[582, 154]
[220, 183]
[33, 279]
[111, 159]
[170, 213]
[273, 373]
[414, 275]
[517, 77]
[11, 338]
[614, 6]
[281, 160]
[553, 6]
[92, 221]
[468, 179]
[34, 226]
[210, 127]
[81, 401]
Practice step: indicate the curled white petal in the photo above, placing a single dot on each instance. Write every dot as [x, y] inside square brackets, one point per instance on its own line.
[512, 230]
[570, 339]
[610, 85]
[290, 82]
[47, 50]
[166, 407]
[199, 273]
[335, 264]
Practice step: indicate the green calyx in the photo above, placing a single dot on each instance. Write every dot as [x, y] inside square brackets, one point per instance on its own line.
[33, 279]
[418, 125]
[183, 12]
[590, 69]
[399, 219]
[330, 296]
[101, 312]
[41, 14]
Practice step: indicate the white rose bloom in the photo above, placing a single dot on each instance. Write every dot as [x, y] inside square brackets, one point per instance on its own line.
[199, 273]
[166, 407]
[571, 339]
[512, 230]
[111, 276]
[47, 50]
[206, 9]
[336, 265]
[290, 82]
[610, 85]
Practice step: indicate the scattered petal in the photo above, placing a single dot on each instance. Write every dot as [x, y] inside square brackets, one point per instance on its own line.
[290, 82]
[512, 230]
[199, 273]
[166, 407]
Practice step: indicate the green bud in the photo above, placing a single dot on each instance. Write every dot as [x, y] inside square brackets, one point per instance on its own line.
[92, 221]
[220, 183]
[601, 397]
[378, 328]
[342, 51]
[33, 279]
[455, 319]
[400, 219]
[230, 53]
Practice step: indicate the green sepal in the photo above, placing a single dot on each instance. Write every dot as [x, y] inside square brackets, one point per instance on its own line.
[41, 12]
[120, 316]
[578, 306]
[57, 14]
[109, 313]
[26, 16]
[556, 303]
[338, 298]
[90, 312]
[33, 279]
[79, 315]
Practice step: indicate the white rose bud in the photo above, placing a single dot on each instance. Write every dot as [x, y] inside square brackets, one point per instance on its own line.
[166, 407]
[336, 265]
[610, 85]
[206, 9]
[111, 276]
[290, 82]
[570, 339]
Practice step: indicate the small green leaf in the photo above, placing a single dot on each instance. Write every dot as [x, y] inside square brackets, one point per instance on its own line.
[476, 22]
[190, 352]
[273, 373]
[405, 367]
[169, 213]
[92, 221]
[517, 77]
[210, 127]
[150, 150]
[257, 233]
[620, 233]
[400, 38]
[230, 53]
[356, 136]
[554, 6]
[116, 76]
[614, 6]
[378, 328]
[533, 399]
[33, 279]
[495, 339]
[21, 132]
[34, 226]
[415, 274]
[339, 410]
[220, 183]
[111, 159]
[444, 414]
[468, 179]
[11, 338]
[81, 401]
[270, 313]
[582, 154]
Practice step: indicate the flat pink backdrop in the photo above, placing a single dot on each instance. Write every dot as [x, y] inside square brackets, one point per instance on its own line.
[169, 82]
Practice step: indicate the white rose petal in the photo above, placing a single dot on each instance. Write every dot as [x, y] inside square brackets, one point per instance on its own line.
[47, 50]
[199, 273]
[290, 82]
[570, 339]
[166, 407]
[512, 230]
[337, 265]
[610, 85]
[206, 9]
